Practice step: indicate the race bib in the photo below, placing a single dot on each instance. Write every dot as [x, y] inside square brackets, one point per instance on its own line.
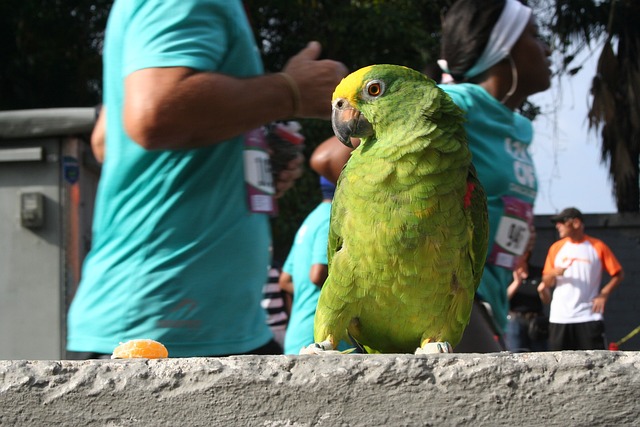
[257, 173]
[513, 233]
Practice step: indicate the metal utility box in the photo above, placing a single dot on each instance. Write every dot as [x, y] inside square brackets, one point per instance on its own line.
[48, 179]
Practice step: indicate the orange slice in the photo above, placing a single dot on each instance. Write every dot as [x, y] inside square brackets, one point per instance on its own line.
[144, 348]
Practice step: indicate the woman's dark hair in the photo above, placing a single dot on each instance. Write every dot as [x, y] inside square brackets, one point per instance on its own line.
[466, 28]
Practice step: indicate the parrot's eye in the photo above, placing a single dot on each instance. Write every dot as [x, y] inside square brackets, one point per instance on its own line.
[374, 88]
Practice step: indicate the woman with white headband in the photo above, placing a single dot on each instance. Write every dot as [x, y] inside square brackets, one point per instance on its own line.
[492, 51]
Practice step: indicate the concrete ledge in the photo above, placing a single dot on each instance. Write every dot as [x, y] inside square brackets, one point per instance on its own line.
[568, 388]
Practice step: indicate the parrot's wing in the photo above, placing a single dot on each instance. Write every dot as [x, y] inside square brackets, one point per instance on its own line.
[335, 234]
[476, 208]
[334, 244]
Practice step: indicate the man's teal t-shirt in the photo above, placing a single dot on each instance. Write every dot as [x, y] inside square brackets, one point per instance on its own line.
[499, 140]
[176, 254]
[309, 248]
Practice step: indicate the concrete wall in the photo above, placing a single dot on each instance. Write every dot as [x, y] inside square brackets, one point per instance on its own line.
[594, 388]
[621, 232]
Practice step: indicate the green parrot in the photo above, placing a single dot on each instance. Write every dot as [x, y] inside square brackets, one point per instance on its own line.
[409, 228]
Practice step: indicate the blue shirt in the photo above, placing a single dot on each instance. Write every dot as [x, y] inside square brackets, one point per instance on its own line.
[176, 254]
[309, 248]
[499, 140]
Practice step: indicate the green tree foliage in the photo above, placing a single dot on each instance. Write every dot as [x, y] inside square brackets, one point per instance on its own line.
[50, 52]
[357, 33]
[615, 108]
[615, 105]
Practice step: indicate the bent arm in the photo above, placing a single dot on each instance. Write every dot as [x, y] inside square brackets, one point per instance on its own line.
[612, 284]
[318, 274]
[286, 282]
[544, 288]
[182, 108]
[98, 136]
[600, 301]
[544, 293]
[515, 285]
[548, 280]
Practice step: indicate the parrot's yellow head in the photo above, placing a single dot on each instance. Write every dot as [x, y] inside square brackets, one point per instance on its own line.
[350, 86]
[364, 98]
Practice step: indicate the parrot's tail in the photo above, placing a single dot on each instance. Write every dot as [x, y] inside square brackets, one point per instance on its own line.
[359, 348]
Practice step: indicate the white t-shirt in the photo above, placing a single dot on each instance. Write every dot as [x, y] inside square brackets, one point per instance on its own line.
[580, 283]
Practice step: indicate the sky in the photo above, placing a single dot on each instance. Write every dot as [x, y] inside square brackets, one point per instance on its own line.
[565, 152]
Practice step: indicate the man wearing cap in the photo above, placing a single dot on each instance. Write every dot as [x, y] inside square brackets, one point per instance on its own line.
[574, 267]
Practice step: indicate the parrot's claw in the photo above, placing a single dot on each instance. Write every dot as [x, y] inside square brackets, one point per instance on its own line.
[435, 347]
[323, 347]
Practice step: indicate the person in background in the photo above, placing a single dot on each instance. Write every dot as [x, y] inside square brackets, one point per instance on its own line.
[573, 268]
[496, 58]
[181, 231]
[276, 305]
[305, 271]
[528, 326]
[493, 52]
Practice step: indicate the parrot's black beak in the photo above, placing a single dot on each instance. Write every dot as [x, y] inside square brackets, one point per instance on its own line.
[347, 122]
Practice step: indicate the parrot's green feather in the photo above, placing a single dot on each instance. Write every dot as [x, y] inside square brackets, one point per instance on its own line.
[408, 234]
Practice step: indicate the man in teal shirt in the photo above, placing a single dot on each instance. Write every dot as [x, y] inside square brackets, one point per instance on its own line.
[179, 251]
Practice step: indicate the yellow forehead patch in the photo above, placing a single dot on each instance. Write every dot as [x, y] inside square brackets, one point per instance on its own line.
[350, 85]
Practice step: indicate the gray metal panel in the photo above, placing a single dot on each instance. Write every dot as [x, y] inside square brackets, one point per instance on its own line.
[46, 122]
[22, 154]
[30, 259]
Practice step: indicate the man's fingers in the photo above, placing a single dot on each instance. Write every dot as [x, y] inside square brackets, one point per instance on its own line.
[311, 51]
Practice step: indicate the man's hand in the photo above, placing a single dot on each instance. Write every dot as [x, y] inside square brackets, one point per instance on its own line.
[518, 277]
[288, 176]
[559, 271]
[316, 80]
[598, 303]
[544, 293]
